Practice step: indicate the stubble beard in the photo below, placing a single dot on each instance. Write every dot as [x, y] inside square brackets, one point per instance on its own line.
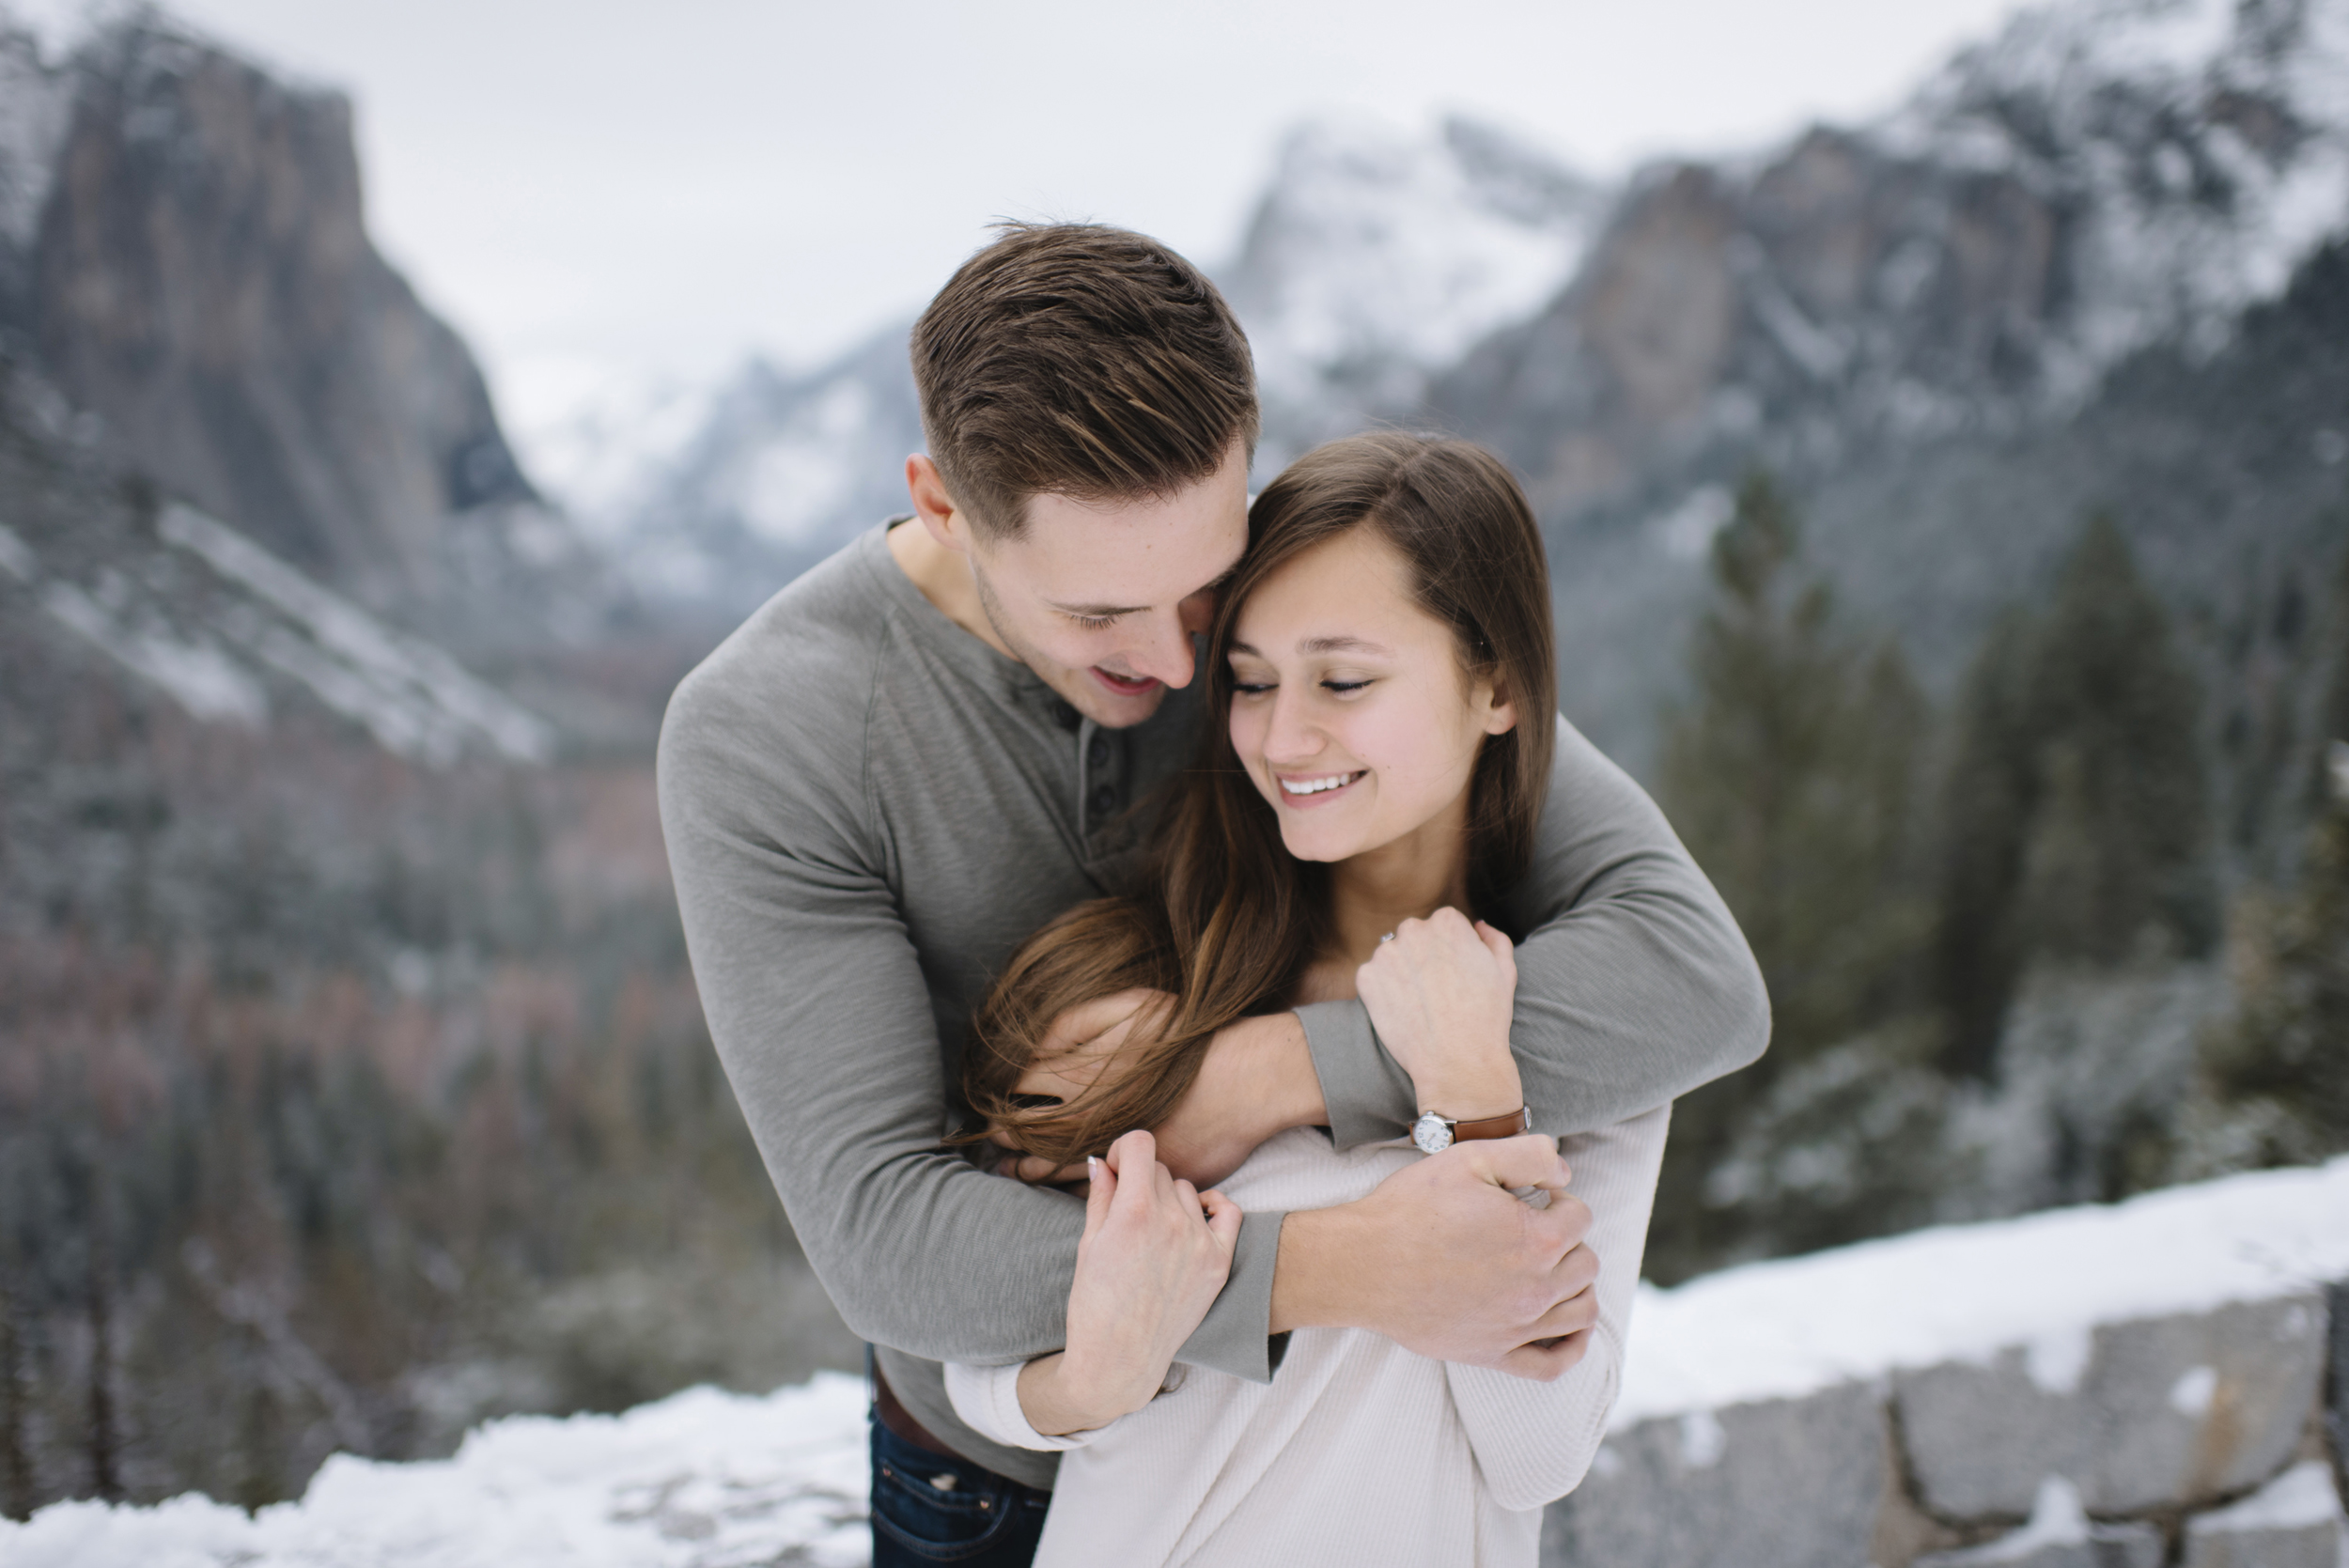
[1075, 687]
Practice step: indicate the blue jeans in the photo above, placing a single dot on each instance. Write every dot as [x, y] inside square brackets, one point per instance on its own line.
[975, 1518]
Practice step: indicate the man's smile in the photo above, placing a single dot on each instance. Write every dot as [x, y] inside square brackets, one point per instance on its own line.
[1125, 686]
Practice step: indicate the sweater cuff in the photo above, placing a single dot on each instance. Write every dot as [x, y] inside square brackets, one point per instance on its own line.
[988, 1397]
[1368, 1098]
[1235, 1335]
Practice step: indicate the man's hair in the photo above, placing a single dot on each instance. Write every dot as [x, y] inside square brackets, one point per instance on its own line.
[1079, 359]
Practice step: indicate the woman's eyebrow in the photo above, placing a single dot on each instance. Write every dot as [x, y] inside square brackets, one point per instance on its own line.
[1320, 645]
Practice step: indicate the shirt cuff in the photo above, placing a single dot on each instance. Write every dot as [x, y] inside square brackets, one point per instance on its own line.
[1368, 1098]
[1235, 1335]
[988, 1397]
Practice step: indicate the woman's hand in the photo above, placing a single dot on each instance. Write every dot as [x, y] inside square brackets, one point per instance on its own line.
[1439, 996]
[1156, 1251]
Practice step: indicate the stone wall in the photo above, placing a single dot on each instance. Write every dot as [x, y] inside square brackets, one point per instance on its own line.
[2206, 1440]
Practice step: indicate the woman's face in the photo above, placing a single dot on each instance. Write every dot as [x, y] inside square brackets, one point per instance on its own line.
[1351, 712]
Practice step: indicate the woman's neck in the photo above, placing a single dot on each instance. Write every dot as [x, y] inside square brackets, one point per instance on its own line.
[1411, 879]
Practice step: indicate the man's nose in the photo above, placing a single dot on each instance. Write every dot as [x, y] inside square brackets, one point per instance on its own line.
[1165, 653]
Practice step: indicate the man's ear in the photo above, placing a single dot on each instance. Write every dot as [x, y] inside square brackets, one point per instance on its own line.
[941, 517]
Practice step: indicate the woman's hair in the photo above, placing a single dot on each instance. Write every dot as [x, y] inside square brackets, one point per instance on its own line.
[1227, 921]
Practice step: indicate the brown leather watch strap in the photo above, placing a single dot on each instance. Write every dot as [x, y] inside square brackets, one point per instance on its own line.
[1493, 1126]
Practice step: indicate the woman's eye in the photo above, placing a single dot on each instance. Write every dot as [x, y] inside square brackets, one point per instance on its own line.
[1252, 688]
[1344, 685]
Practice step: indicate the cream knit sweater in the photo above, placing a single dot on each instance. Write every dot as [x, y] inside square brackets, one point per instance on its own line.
[1359, 1452]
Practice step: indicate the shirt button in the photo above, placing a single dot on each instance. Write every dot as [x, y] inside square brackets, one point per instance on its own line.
[1097, 755]
[1104, 798]
[1064, 716]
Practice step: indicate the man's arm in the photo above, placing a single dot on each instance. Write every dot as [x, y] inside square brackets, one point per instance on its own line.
[1634, 984]
[817, 1005]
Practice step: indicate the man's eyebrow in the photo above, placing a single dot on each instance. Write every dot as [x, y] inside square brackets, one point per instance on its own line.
[1100, 611]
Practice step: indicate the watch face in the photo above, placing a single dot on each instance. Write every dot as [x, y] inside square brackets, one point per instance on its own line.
[1432, 1133]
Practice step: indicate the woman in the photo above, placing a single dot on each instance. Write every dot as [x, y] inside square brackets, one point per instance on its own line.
[1382, 701]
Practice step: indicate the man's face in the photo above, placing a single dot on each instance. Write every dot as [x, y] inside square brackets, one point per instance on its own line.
[1102, 600]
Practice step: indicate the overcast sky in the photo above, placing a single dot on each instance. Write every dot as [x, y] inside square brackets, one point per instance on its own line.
[593, 190]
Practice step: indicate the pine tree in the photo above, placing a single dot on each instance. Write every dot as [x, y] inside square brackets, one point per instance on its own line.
[2285, 1045]
[1790, 778]
[2079, 810]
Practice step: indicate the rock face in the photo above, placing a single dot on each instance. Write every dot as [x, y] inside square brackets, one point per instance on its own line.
[190, 265]
[2185, 1432]
[2096, 179]
[1780, 1484]
[2170, 1412]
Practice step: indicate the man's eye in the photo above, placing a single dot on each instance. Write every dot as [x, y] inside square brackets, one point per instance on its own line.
[1095, 623]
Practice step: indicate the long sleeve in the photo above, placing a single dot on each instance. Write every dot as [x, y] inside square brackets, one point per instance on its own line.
[822, 1012]
[1634, 984]
[1533, 1441]
[988, 1397]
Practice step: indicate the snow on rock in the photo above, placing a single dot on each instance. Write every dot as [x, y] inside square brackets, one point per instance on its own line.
[1376, 258]
[2204, 147]
[34, 102]
[2300, 1498]
[1795, 1326]
[701, 1480]
[211, 619]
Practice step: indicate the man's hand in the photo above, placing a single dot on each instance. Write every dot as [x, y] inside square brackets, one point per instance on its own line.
[1443, 1260]
[1439, 995]
[1257, 1079]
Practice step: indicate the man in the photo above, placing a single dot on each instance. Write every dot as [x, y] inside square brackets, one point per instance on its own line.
[927, 746]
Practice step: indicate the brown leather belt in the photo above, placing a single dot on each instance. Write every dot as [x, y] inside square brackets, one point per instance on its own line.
[900, 1421]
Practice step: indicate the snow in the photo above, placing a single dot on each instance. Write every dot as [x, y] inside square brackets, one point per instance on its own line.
[412, 697]
[1377, 256]
[2134, 113]
[712, 1479]
[212, 651]
[34, 103]
[1794, 1326]
[701, 1480]
[196, 673]
[2300, 1498]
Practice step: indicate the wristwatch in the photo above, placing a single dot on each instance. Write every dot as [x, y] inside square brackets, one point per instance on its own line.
[1432, 1133]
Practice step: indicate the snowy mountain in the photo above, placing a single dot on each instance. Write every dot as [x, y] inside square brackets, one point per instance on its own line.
[154, 188]
[739, 489]
[198, 611]
[1375, 261]
[2103, 177]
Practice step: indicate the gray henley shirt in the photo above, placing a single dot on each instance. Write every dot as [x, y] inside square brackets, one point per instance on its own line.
[867, 809]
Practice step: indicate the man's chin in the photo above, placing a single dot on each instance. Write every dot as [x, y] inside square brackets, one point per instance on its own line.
[1110, 702]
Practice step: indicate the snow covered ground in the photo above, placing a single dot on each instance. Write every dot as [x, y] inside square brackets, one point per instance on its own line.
[709, 1479]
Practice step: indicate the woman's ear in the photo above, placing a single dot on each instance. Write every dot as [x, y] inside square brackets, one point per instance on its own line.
[1499, 714]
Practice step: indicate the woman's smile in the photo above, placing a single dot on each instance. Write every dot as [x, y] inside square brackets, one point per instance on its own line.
[1304, 791]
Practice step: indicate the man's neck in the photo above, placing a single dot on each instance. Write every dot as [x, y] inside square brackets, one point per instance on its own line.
[944, 579]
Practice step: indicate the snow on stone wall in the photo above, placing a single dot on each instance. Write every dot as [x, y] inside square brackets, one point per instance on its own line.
[2155, 1382]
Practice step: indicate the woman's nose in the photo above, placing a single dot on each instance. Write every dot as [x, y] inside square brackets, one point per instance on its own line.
[1290, 734]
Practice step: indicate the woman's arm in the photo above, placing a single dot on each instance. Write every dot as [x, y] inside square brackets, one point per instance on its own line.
[1154, 1255]
[1533, 1441]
